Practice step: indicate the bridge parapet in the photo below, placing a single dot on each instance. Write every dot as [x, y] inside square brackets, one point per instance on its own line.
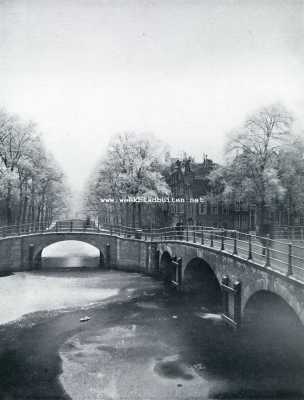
[73, 225]
[279, 255]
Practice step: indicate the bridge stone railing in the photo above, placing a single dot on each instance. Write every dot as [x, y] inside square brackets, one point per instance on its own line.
[59, 226]
[279, 255]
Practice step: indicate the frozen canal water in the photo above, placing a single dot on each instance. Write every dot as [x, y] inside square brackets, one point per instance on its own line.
[141, 342]
[26, 292]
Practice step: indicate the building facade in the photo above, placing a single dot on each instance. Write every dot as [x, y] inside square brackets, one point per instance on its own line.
[190, 181]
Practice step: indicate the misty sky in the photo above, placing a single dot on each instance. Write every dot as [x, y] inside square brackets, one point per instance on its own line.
[188, 71]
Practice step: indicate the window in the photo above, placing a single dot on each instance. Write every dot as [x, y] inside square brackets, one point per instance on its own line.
[215, 209]
[244, 220]
[203, 208]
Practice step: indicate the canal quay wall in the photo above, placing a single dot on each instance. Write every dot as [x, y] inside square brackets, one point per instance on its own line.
[239, 279]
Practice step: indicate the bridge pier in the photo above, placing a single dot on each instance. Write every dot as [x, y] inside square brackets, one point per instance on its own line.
[232, 301]
[101, 259]
[108, 256]
[225, 299]
[180, 273]
[154, 259]
[175, 273]
[31, 249]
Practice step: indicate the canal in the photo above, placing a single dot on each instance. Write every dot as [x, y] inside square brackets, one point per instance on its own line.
[139, 340]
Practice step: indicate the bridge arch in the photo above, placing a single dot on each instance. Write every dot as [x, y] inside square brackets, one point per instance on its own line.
[266, 287]
[276, 330]
[166, 270]
[267, 306]
[49, 240]
[200, 279]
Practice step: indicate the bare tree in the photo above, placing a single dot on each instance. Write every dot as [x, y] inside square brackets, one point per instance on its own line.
[291, 173]
[131, 167]
[28, 175]
[253, 151]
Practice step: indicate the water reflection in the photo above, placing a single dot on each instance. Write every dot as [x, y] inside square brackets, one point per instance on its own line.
[70, 262]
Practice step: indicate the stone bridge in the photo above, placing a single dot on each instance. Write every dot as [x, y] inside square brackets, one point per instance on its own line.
[235, 281]
[229, 279]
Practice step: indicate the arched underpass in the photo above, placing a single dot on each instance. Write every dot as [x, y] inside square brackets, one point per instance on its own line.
[69, 254]
[274, 327]
[167, 269]
[201, 285]
[269, 347]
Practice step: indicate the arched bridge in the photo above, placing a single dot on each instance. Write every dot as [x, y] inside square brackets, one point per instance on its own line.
[234, 268]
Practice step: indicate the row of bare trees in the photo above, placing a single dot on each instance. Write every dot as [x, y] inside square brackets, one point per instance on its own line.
[32, 186]
[130, 168]
[264, 166]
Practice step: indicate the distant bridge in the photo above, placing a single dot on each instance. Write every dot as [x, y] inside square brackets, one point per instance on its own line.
[236, 269]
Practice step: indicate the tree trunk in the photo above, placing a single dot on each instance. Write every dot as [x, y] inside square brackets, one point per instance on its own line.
[9, 215]
[133, 215]
[25, 210]
[139, 210]
[33, 211]
[127, 213]
[38, 216]
[42, 216]
[51, 216]
[20, 208]
[263, 226]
